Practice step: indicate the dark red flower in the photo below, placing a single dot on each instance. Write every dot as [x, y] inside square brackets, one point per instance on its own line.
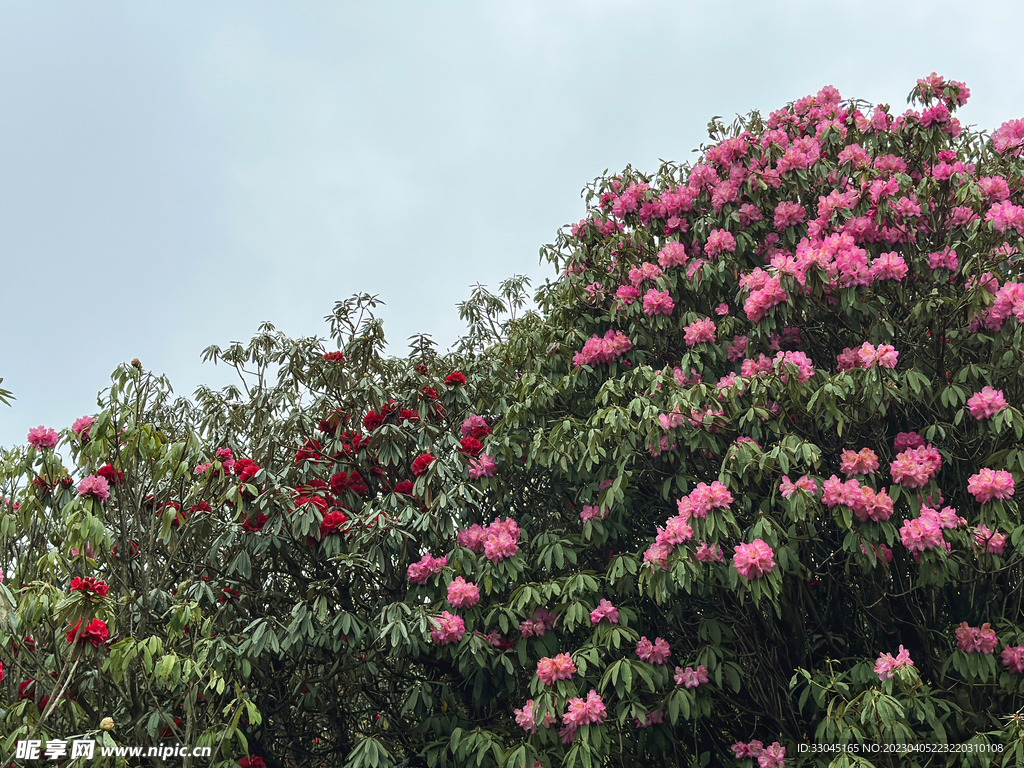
[372, 420]
[27, 690]
[246, 470]
[429, 393]
[421, 369]
[252, 761]
[229, 595]
[133, 550]
[175, 509]
[317, 501]
[111, 475]
[252, 525]
[96, 633]
[333, 421]
[407, 415]
[202, 506]
[334, 357]
[420, 464]
[89, 586]
[311, 449]
[404, 488]
[332, 522]
[471, 446]
[455, 379]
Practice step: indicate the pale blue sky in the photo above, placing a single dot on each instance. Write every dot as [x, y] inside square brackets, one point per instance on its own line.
[172, 174]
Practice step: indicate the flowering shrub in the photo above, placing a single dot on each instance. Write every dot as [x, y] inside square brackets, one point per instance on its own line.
[462, 559]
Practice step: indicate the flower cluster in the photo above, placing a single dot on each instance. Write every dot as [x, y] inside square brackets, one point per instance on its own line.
[656, 652]
[43, 437]
[868, 356]
[482, 466]
[580, 712]
[754, 560]
[604, 610]
[447, 628]
[772, 756]
[987, 403]
[991, 541]
[428, 566]
[863, 462]
[862, 499]
[924, 532]
[96, 633]
[89, 586]
[462, 593]
[805, 484]
[699, 331]
[542, 621]
[690, 677]
[1013, 658]
[976, 639]
[550, 670]
[915, 467]
[94, 486]
[497, 541]
[599, 350]
[887, 664]
[990, 484]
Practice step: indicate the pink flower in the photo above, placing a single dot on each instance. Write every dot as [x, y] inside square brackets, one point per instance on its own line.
[802, 363]
[914, 467]
[658, 303]
[597, 350]
[905, 440]
[672, 255]
[864, 462]
[773, 756]
[627, 294]
[788, 214]
[992, 542]
[976, 639]
[922, 533]
[1013, 658]
[592, 512]
[886, 664]
[690, 677]
[946, 259]
[81, 426]
[579, 712]
[699, 331]
[428, 566]
[657, 717]
[1005, 215]
[1009, 137]
[604, 610]
[524, 717]
[719, 241]
[447, 628]
[43, 437]
[501, 540]
[987, 403]
[709, 554]
[722, 309]
[990, 484]
[655, 653]
[482, 466]
[646, 271]
[462, 593]
[94, 486]
[806, 484]
[473, 538]
[560, 667]
[888, 266]
[754, 560]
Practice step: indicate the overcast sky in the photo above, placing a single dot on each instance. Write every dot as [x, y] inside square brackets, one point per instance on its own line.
[172, 174]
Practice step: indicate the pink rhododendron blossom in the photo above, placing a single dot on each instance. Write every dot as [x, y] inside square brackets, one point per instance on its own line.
[672, 255]
[580, 712]
[887, 664]
[524, 717]
[763, 299]
[751, 749]
[593, 512]
[462, 593]
[643, 273]
[43, 437]
[976, 639]
[987, 403]
[709, 553]
[598, 350]
[658, 303]
[880, 550]
[447, 628]
[915, 467]
[655, 653]
[990, 484]
[788, 214]
[991, 541]
[946, 259]
[474, 425]
[754, 560]
[864, 462]
[690, 677]
[94, 486]
[905, 440]
[736, 349]
[549, 670]
[719, 242]
[699, 331]
[1009, 137]
[627, 294]
[888, 266]
[806, 484]
[482, 466]
[803, 364]
[428, 566]
[657, 717]
[1004, 216]
[1013, 658]
[703, 499]
[82, 425]
[604, 610]
[501, 540]
[473, 538]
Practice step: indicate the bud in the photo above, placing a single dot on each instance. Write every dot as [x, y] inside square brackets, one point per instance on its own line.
[136, 363]
[107, 723]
